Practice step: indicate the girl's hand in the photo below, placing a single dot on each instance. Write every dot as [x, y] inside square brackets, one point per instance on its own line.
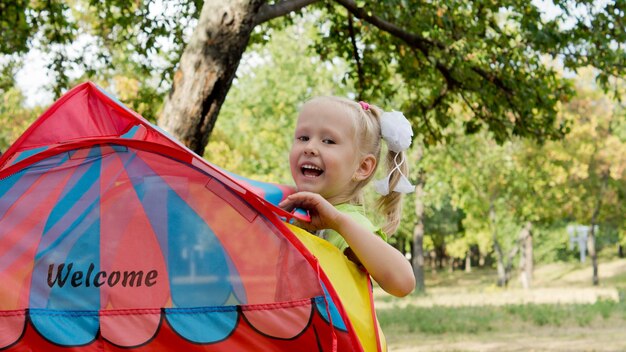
[384, 263]
[323, 214]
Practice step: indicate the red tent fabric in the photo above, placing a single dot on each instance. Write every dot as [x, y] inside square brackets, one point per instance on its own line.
[114, 236]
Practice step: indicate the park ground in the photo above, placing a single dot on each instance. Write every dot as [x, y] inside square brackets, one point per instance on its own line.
[467, 312]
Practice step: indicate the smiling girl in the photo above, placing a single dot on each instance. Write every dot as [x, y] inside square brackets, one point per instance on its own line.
[335, 153]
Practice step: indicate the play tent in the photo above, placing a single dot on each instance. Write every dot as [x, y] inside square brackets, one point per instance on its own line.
[115, 237]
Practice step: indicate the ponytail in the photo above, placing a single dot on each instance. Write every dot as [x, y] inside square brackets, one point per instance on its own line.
[390, 205]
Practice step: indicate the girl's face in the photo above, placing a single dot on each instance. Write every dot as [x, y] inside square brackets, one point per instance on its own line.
[323, 157]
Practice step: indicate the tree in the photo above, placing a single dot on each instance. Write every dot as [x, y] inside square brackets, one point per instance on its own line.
[14, 118]
[502, 190]
[485, 55]
[592, 160]
[464, 52]
[253, 136]
[480, 184]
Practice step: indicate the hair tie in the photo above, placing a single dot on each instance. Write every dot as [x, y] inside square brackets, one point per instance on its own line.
[403, 186]
[365, 106]
[396, 130]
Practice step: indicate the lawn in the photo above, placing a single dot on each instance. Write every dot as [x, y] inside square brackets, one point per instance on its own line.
[466, 312]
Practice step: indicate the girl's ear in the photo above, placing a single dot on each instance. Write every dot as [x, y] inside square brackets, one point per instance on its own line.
[366, 168]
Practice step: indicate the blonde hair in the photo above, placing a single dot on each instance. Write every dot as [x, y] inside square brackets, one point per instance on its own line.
[368, 141]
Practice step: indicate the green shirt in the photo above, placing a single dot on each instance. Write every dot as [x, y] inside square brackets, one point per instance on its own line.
[356, 212]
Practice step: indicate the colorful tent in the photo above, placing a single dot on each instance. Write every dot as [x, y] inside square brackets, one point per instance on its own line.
[114, 236]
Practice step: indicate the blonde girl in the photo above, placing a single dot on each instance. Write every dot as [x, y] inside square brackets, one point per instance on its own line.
[335, 153]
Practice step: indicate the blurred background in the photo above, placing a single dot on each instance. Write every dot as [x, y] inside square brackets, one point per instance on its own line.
[517, 231]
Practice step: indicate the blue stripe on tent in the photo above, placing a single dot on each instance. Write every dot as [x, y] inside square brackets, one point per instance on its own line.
[82, 187]
[14, 186]
[84, 256]
[11, 190]
[131, 133]
[203, 325]
[334, 312]
[66, 328]
[197, 262]
[28, 153]
[71, 237]
[272, 193]
[198, 271]
[64, 304]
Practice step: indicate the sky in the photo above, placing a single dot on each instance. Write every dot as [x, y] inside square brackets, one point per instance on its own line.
[33, 78]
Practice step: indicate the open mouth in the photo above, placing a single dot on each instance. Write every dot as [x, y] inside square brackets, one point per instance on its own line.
[309, 170]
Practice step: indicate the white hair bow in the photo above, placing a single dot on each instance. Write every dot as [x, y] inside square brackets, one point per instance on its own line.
[396, 131]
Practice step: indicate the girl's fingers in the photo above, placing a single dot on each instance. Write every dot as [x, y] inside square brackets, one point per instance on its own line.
[296, 200]
[287, 205]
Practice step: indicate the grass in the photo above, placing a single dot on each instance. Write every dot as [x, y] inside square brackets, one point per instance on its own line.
[464, 312]
[482, 319]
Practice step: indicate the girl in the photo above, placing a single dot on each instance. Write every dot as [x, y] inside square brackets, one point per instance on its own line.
[334, 155]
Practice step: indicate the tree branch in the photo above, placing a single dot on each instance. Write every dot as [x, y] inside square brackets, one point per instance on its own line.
[357, 58]
[426, 119]
[493, 79]
[413, 40]
[424, 45]
[268, 12]
[469, 104]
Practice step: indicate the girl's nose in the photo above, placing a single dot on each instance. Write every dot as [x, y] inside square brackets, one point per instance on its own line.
[310, 149]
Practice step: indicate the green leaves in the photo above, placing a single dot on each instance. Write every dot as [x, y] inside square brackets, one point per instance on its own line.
[485, 57]
[488, 57]
[549, 184]
[253, 135]
[14, 28]
[142, 40]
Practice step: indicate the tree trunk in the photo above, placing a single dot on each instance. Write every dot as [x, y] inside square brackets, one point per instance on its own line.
[508, 268]
[526, 255]
[400, 244]
[468, 261]
[591, 248]
[591, 239]
[502, 281]
[500, 263]
[417, 258]
[207, 68]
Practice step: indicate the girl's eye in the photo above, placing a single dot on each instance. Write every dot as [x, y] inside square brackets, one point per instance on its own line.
[303, 138]
[328, 141]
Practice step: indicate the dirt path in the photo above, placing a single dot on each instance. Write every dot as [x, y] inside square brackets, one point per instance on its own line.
[550, 295]
[546, 339]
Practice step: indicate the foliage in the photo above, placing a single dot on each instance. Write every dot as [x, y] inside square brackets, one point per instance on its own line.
[548, 184]
[14, 28]
[551, 244]
[487, 57]
[590, 164]
[254, 132]
[14, 118]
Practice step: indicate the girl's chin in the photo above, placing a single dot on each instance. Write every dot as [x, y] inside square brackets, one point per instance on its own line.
[307, 187]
